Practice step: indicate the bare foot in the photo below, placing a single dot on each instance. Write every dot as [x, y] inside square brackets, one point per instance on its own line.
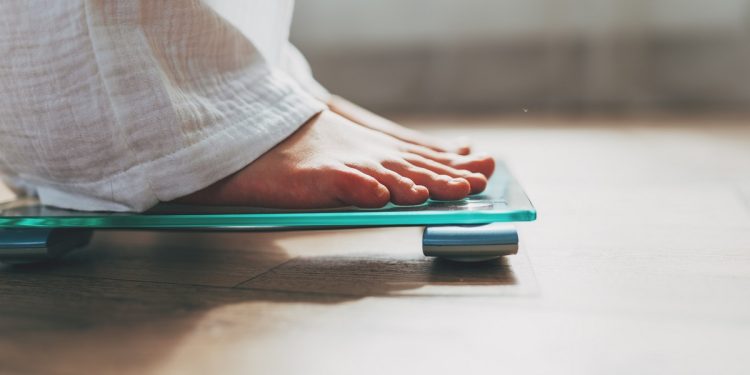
[373, 121]
[329, 162]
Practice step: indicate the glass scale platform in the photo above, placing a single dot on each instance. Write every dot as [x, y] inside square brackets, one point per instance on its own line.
[31, 231]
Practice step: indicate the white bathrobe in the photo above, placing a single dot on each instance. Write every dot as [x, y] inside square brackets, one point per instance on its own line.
[118, 104]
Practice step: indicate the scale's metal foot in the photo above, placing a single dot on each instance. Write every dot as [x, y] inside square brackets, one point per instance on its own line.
[470, 243]
[36, 245]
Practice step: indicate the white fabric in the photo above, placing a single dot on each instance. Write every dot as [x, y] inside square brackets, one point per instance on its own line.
[116, 105]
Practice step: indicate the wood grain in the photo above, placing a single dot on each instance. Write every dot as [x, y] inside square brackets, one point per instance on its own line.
[639, 263]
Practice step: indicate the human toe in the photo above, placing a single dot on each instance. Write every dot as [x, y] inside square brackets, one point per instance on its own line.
[440, 186]
[356, 188]
[477, 181]
[403, 191]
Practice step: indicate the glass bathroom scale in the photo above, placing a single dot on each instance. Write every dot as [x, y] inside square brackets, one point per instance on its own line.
[465, 230]
[503, 201]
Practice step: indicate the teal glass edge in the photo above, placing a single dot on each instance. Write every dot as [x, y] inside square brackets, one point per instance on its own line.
[504, 201]
[229, 221]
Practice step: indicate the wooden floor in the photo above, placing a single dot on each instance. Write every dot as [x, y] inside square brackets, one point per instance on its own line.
[639, 264]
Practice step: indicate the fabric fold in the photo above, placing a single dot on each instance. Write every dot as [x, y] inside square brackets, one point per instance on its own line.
[116, 105]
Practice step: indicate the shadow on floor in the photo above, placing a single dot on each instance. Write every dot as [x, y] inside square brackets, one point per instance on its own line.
[127, 300]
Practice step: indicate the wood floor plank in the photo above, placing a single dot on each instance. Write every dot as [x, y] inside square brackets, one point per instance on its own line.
[639, 263]
[73, 325]
[385, 261]
[388, 275]
[449, 336]
[216, 259]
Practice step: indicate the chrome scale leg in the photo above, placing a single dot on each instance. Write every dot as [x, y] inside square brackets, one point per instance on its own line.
[474, 243]
[471, 243]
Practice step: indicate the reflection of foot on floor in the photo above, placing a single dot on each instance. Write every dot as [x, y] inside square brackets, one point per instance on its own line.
[331, 162]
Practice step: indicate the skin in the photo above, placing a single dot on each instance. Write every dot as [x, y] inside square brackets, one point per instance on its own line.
[373, 121]
[349, 156]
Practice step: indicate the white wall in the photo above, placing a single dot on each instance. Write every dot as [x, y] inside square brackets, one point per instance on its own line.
[332, 23]
[615, 49]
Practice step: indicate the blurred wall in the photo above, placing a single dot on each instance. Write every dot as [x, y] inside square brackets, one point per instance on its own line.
[506, 55]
